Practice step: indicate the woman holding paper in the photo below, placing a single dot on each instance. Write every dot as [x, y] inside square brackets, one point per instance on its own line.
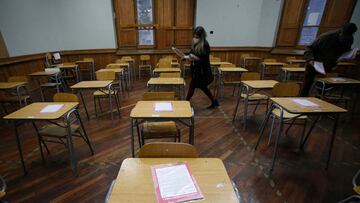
[322, 55]
[201, 75]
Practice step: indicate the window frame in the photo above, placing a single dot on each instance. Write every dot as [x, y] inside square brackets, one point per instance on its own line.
[140, 26]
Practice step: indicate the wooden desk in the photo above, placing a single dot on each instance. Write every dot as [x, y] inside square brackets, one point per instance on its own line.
[166, 70]
[290, 70]
[70, 66]
[32, 113]
[134, 182]
[17, 86]
[220, 79]
[255, 85]
[55, 73]
[219, 63]
[265, 65]
[335, 81]
[175, 64]
[292, 61]
[153, 83]
[144, 110]
[128, 73]
[243, 60]
[121, 77]
[288, 104]
[95, 85]
[92, 65]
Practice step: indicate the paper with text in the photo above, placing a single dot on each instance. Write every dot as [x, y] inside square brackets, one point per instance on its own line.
[305, 102]
[175, 183]
[319, 67]
[163, 107]
[52, 108]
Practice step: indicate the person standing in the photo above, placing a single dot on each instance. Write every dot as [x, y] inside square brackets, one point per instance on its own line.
[327, 48]
[201, 75]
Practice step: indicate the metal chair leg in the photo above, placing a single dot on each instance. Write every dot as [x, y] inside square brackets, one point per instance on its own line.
[271, 129]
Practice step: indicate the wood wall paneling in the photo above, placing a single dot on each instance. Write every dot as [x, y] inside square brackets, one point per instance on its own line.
[125, 19]
[3, 49]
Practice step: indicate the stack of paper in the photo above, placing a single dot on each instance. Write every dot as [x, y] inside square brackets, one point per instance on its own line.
[163, 106]
[52, 108]
[175, 183]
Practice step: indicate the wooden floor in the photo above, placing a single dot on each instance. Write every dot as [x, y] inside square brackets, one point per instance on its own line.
[299, 176]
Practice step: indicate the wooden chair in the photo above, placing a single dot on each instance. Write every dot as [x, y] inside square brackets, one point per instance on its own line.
[168, 150]
[356, 188]
[227, 65]
[145, 64]
[3, 188]
[163, 129]
[12, 97]
[105, 93]
[87, 67]
[286, 89]
[229, 79]
[164, 63]
[170, 75]
[122, 79]
[57, 131]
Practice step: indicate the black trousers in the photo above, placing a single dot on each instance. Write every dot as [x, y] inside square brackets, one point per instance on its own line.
[205, 89]
[309, 77]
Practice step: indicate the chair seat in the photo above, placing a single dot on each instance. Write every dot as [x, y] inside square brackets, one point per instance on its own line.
[159, 129]
[104, 92]
[357, 189]
[14, 98]
[57, 131]
[255, 96]
[286, 114]
[50, 84]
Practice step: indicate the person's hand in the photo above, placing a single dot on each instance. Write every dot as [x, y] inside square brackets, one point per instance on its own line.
[186, 57]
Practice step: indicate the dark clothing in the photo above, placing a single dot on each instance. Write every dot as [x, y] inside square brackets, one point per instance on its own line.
[327, 48]
[205, 89]
[201, 75]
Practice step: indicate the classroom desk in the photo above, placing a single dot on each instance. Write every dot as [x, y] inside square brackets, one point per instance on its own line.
[96, 85]
[265, 65]
[227, 70]
[32, 113]
[9, 86]
[128, 71]
[343, 67]
[335, 81]
[166, 70]
[218, 63]
[70, 66]
[243, 60]
[255, 85]
[47, 74]
[131, 68]
[153, 83]
[121, 77]
[291, 70]
[134, 182]
[288, 104]
[92, 65]
[144, 110]
[292, 61]
[175, 64]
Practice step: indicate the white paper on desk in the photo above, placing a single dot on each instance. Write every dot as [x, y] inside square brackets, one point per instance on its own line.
[56, 56]
[163, 106]
[319, 67]
[305, 102]
[338, 79]
[52, 108]
[349, 54]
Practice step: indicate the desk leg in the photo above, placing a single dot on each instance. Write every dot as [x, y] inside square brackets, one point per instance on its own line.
[332, 140]
[19, 148]
[277, 138]
[309, 132]
[82, 100]
[246, 101]
[192, 129]
[237, 104]
[262, 127]
[72, 155]
[111, 108]
[262, 70]
[132, 137]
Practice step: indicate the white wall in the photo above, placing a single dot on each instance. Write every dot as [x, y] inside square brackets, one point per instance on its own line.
[36, 26]
[356, 19]
[239, 22]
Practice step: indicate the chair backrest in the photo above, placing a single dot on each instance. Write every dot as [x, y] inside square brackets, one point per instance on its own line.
[286, 89]
[291, 65]
[170, 75]
[112, 66]
[18, 78]
[144, 57]
[164, 63]
[244, 55]
[105, 75]
[228, 65]
[250, 76]
[215, 59]
[158, 96]
[126, 57]
[168, 150]
[120, 61]
[290, 58]
[88, 59]
[269, 60]
[65, 97]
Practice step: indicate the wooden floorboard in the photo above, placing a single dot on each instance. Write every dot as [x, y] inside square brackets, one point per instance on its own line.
[299, 176]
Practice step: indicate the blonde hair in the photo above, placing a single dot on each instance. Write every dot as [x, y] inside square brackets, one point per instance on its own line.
[199, 48]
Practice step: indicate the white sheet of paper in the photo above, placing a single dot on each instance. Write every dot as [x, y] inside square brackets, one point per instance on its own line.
[337, 79]
[305, 102]
[349, 54]
[56, 56]
[313, 17]
[319, 67]
[52, 108]
[175, 181]
[163, 106]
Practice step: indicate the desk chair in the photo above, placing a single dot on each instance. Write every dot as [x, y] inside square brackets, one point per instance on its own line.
[163, 129]
[12, 97]
[53, 82]
[87, 67]
[242, 56]
[145, 64]
[123, 79]
[56, 132]
[356, 188]
[164, 63]
[286, 89]
[3, 188]
[170, 75]
[168, 150]
[269, 60]
[104, 93]
[231, 80]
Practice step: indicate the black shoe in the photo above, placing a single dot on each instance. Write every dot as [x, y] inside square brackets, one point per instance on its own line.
[214, 104]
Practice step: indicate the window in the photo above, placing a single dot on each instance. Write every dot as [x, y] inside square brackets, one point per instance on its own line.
[145, 17]
[312, 20]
